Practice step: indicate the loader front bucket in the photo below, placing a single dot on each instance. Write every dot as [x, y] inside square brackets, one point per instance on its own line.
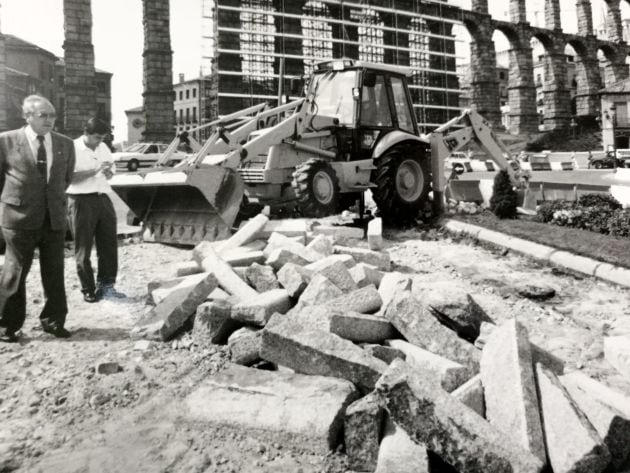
[184, 205]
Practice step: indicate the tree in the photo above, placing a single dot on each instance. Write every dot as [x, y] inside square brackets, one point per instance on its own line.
[504, 199]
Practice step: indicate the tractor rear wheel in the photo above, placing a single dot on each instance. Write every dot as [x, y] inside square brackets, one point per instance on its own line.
[316, 187]
[402, 177]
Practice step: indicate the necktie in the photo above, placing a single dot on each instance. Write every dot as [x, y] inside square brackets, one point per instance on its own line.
[41, 158]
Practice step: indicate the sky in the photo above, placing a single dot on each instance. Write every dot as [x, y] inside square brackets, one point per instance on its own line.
[117, 36]
[118, 40]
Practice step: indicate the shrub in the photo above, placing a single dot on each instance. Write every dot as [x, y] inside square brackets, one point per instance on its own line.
[504, 199]
[619, 223]
[599, 200]
[568, 218]
[545, 211]
[596, 218]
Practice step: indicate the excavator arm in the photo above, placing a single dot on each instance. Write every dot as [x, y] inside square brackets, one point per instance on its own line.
[475, 129]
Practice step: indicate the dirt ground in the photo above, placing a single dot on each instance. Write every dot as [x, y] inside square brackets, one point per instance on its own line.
[58, 415]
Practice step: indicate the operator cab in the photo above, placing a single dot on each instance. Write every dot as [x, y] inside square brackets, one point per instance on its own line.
[368, 100]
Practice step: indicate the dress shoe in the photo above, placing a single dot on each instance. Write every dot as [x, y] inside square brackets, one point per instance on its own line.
[108, 292]
[8, 336]
[90, 297]
[56, 331]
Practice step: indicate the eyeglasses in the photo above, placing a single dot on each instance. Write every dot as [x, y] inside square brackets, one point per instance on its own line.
[45, 115]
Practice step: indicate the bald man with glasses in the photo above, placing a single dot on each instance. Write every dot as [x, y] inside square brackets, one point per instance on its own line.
[36, 167]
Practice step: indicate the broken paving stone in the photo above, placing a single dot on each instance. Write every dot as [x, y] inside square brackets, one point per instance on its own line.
[281, 256]
[245, 346]
[280, 242]
[397, 453]
[387, 354]
[108, 367]
[375, 234]
[319, 290]
[617, 353]
[366, 274]
[257, 310]
[293, 278]
[218, 294]
[290, 228]
[380, 259]
[366, 300]
[509, 383]
[320, 264]
[261, 277]
[158, 293]
[471, 394]
[392, 283]
[213, 324]
[573, 444]
[169, 316]
[535, 291]
[298, 410]
[412, 320]
[248, 232]
[430, 416]
[453, 307]
[362, 431]
[611, 424]
[338, 232]
[360, 328]
[186, 268]
[320, 353]
[338, 274]
[225, 275]
[539, 355]
[449, 374]
[322, 245]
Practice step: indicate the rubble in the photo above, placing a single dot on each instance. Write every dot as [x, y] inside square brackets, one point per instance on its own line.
[471, 394]
[319, 290]
[365, 301]
[256, 310]
[563, 419]
[307, 410]
[391, 283]
[338, 274]
[507, 375]
[293, 278]
[244, 346]
[186, 268]
[166, 318]
[375, 234]
[411, 319]
[362, 431]
[322, 245]
[453, 431]
[398, 453]
[380, 259]
[213, 323]
[365, 274]
[261, 277]
[225, 275]
[318, 352]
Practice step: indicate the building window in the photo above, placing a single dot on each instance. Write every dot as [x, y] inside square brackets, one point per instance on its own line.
[181, 95]
[194, 93]
[502, 75]
[371, 36]
[187, 93]
[317, 42]
[257, 40]
[181, 115]
[187, 115]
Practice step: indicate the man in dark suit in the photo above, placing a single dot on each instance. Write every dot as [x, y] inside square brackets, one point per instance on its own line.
[36, 167]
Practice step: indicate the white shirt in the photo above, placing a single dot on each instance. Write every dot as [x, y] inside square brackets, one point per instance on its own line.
[86, 160]
[31, 136]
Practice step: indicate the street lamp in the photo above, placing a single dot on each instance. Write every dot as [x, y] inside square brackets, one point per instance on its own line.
[613, 122]
[573, 126]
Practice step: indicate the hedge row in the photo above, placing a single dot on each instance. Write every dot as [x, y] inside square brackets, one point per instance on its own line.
[595, 212]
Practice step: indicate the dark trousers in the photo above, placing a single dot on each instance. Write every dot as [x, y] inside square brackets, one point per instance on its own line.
[94, 221]
[20, 246]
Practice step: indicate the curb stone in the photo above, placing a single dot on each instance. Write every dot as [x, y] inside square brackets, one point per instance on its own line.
[608, 272]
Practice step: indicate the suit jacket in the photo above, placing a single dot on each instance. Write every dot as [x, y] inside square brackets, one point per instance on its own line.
[24, 196]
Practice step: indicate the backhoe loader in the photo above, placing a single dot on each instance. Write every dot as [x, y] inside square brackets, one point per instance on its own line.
[355, 129]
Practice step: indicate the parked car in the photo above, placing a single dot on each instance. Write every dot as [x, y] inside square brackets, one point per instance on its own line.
[605, 160]
[141, 155]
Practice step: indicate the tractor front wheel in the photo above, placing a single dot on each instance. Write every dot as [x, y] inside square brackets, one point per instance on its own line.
[316, 187]
[402, 177]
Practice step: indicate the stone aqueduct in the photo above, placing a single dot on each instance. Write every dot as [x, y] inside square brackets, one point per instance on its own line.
[157, 65]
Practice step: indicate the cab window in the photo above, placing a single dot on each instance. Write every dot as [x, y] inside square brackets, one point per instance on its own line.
[375, 109]
[151, 149]
[402, 106]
